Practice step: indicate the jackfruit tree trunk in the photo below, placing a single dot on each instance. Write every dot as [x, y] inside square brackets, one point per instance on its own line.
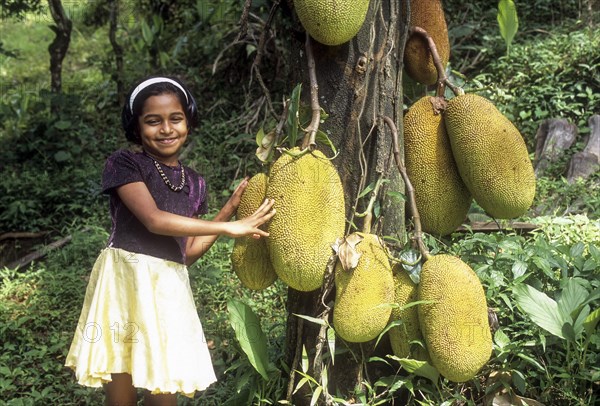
[359, 82]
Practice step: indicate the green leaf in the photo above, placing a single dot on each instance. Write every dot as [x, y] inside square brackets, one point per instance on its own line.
[292, 117]
[519, 380]
[62, 124]
[541, 309]
[508, 21]
[324, 139]
[518, 269]
[147, 34]
[259, 136]
[577, 250]
[304, 363]
[62, 156]
[315, 396]
[420, 368]
[331, 343]
[250, 335]
[370, 187]
[501, 339]
[591, 321]
[573, 295]
[320, 322]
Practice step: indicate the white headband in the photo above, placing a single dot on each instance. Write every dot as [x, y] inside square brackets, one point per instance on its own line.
[152, 81]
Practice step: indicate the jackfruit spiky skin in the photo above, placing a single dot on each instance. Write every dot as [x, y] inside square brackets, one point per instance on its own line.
[309, 200]
[429, 15]
[442, 198]
[405, 292]
[360, 313]
[332, 22]
[491, 156]
[455, 326]
[250, 257]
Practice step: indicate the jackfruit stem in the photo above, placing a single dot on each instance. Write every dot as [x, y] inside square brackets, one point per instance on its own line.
[410, 191]
[313, 127]
[442, 80]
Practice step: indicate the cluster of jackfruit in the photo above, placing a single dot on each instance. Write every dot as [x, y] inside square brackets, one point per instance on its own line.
[452, 320]
[469, 150]
[309, 200]
[332, 22]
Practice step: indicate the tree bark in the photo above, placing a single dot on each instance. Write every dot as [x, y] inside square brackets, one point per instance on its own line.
[359, 82]
[117, 49]
[59, 47]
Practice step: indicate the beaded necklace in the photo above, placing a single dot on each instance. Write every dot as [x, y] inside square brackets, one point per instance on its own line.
[164, 177]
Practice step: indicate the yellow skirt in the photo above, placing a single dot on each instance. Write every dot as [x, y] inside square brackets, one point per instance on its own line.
[139, 317]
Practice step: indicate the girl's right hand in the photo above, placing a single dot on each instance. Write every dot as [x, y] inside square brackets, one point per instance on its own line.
[250, 224]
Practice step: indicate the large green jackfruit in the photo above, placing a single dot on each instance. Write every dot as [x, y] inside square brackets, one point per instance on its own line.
[429, 15]
[405, 292]
[332, 22]
[250, 257]
[309, 200]
[491, 156]
[455, 326]
[442, 198]
[362, 294]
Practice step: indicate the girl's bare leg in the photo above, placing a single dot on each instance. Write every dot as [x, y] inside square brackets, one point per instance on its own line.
[120, 391]
[166, 399]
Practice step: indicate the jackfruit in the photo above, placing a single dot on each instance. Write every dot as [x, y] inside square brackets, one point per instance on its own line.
[429, 15]
[405, 292]
[442, 198]
[363, 294]
[250, 257]
[309, 200]
[491, 156]
[455, 326]
[332, 22]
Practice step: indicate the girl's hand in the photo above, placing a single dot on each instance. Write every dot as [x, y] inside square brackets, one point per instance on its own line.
[250, 224]
[234, 200]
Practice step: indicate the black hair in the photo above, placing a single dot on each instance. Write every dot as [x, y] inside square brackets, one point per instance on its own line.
[129, 116]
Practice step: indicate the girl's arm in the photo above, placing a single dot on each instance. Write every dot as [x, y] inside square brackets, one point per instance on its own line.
[140, 202]
[197, 246]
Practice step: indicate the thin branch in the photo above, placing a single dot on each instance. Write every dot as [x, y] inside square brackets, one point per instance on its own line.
[313, 127]
[296, 362]
[322, 336]
[258, 58]
[410, 191]
[244, 21]
[442, 78]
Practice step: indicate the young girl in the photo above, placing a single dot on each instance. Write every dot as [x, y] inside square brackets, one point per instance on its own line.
[139, 327]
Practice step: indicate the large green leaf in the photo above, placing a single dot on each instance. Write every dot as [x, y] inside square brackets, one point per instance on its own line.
[421, 368]
[572, 297]
[250, 335]
[508, 21]
[541, 309]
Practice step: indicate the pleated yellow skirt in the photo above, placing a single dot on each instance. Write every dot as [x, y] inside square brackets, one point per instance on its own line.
[139, 317]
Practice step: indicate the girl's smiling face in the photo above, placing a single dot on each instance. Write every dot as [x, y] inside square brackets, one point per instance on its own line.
[163, 127]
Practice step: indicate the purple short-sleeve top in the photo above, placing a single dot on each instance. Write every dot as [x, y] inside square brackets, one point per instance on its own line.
[128, 233]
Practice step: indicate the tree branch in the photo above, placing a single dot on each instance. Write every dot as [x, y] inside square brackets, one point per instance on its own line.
[442, 78]
[313, 127]
[410, 191]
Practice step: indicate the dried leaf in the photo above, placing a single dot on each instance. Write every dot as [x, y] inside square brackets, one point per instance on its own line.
[347, 252]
